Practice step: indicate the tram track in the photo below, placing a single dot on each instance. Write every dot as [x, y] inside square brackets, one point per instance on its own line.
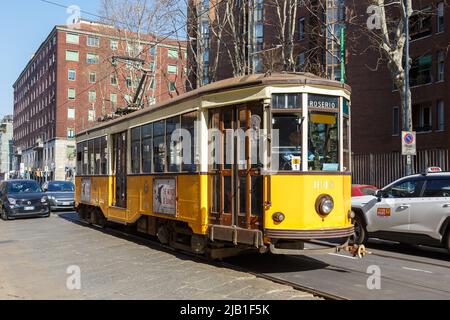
[315, 289]
[115, 231]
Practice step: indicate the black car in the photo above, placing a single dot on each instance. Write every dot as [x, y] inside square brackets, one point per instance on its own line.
[22, 199]
[60, 194]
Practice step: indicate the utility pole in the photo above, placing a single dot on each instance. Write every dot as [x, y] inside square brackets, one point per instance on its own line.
[407, 112]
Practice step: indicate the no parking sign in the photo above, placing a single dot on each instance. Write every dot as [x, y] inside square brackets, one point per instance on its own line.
[408, 143]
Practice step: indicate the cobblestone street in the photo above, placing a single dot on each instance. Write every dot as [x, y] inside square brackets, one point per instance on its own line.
[35, 255]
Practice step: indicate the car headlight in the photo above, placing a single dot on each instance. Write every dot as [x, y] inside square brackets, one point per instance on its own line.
[44, 199]
[324, 205]
[12, 201]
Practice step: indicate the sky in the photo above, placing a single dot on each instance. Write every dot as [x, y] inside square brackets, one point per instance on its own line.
[24, 25]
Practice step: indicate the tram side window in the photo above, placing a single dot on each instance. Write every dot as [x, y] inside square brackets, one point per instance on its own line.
[173, 144]
[146, 133]
[287, 101]
[323, 142]
[104, 155]
[159, 146]
[188, 156]
[346, 140]
[136, 150]
[97, 152]
[91, 158]
[289, 149]
[85, 158]
[80, 159]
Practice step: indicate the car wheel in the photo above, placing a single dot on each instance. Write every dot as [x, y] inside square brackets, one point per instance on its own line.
[360, 236]
[4, 214]
[447, 240]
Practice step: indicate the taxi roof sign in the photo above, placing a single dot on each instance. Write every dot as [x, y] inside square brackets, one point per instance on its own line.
[434, 170]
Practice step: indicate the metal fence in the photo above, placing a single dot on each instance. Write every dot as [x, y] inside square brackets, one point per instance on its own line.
[381, 169]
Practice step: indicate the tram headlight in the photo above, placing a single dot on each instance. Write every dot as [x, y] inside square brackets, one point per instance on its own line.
[278, 217]
[324, 205]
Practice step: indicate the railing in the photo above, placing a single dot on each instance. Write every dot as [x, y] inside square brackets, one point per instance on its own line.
[381, 169]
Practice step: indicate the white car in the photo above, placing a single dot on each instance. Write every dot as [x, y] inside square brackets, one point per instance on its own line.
[413, 209]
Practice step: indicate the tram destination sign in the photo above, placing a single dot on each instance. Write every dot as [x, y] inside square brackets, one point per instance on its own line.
[323, 102]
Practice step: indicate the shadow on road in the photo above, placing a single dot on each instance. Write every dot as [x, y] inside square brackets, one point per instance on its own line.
[266, 263]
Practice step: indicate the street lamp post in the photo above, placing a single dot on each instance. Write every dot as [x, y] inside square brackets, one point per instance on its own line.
[407, 111]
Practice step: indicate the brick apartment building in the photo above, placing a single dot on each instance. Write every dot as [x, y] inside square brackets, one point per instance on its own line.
[376, 114]
[73, 80]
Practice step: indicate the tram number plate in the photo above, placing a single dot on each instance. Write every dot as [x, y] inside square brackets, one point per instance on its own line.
[384, 212]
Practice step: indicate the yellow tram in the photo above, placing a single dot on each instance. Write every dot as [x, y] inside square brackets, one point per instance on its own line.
[257, 162]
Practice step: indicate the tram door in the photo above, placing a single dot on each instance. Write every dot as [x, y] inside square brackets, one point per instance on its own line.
[120, 168]
[236, 180]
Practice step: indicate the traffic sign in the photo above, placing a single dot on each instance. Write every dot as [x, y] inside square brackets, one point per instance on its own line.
[408, 143]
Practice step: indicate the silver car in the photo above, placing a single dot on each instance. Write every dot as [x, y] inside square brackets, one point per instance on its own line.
[413, 209]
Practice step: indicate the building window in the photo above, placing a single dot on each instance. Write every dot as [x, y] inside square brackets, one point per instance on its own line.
[114, 44]
[153, 50]
[172, 86]
[70, 133]
[71, 113]
[440, 113]
[421, 70]
[113, 99]
[93, 41]
[72, 75]
[172, 69]
[422, 117]
[440, 17]
[129, 82]
[92, 77]
[173, 54]
[301, 29]
[92, 96]
[395, 121]
[72, 38]
[92, 58]
[91, 115]
[153, 84]
[440, 65]
[420, 24]
[71, 55]
[71, 93]
[301, 59]
[114, 79]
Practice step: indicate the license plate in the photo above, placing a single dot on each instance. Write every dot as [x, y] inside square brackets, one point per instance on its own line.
[66, 203]
[29, 208]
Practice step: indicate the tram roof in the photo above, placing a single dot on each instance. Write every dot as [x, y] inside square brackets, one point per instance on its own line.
[291, 78]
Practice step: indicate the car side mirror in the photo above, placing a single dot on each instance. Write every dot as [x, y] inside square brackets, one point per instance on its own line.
[379, 194]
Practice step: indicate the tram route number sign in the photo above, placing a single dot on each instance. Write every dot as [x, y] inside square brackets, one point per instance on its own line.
[408, 143]
[165, 196]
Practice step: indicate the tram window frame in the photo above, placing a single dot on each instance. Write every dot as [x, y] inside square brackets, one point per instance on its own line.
[159, 156]
[91, 159]
[188, 121]
[147, 140]
[80, 158]
[136, 150]
[85, 158]
[173, 147]
[346, 139]
[104, 155]
[97, 156]
[335, 113]
[285, 103]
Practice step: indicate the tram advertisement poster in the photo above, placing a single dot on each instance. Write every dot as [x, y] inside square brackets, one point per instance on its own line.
[86, 190]
[164, 196]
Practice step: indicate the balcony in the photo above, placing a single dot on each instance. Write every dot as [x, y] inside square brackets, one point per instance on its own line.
[39, 145]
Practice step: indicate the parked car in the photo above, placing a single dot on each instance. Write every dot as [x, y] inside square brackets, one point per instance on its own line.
[359, 190]
[413, 210]
[22, 199]
[60, 194]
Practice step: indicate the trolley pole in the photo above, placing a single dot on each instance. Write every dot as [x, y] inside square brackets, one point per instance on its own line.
[343, 53]
[407, 117]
